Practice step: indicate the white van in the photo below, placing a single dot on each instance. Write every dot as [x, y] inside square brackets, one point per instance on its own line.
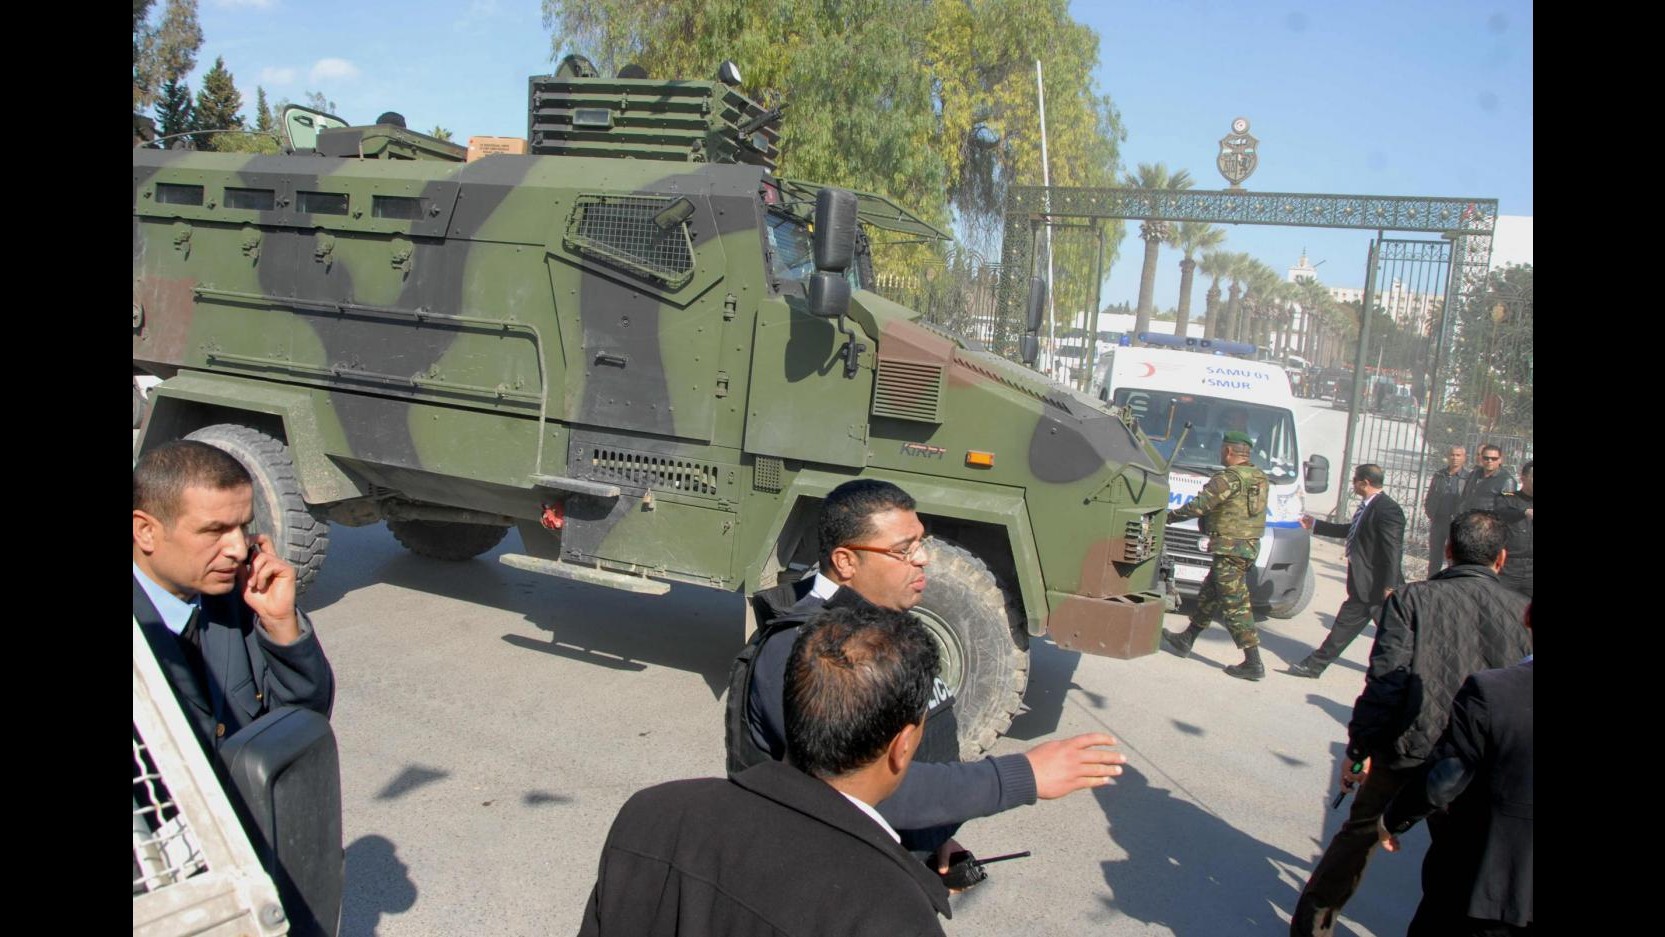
[1165, 388]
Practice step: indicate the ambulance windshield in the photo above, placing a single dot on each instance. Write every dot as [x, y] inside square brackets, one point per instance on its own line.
[1163, 415]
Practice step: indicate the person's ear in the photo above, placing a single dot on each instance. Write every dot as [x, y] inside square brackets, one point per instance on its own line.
[843, 562]
[146, 529]
[903, 746]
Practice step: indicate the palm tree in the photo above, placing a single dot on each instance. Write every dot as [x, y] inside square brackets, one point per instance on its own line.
[1214, 264]
[1241, 266]
[1314, 298]
[1154, 232]
[1258, 300]
[1190, 237]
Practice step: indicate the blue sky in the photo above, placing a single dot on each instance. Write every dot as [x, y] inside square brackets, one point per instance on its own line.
[1352, 97]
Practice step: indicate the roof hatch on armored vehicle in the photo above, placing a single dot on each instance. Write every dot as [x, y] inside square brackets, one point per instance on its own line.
[301, 125]
[873, 210]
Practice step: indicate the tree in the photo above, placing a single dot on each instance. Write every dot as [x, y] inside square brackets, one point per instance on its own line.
[1155, 233]
[1192, 236]
[264, 119]
[1238, 270]
[164, 52]
[440, 133]
[1216, 264]
[173, 114]
[317, 101]
[217, 105]
[1314, 298]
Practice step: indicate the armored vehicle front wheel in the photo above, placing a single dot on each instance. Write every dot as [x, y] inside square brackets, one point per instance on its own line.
[981, 641]
[1303, 598]
[279, 511]
[447, 540]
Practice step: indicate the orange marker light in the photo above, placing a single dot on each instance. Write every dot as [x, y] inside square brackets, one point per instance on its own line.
[979, 459]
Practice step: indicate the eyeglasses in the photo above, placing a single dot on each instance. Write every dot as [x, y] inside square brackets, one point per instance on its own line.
[922, 545]
[1491, 458]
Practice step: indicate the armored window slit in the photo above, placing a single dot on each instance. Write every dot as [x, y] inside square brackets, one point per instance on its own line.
[250, 199]
[400, 207]
[169, 193]
[321, 203]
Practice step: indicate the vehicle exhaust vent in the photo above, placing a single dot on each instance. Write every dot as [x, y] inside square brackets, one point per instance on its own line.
[908, 391]
[642, 470]
[1140, 542]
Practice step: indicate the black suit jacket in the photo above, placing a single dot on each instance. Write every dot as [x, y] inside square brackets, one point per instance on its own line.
[770, 851]
[247, 674]
[1375, 564]
[1480, 863]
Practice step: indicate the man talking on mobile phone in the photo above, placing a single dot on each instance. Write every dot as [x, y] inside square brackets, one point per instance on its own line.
[216, 605]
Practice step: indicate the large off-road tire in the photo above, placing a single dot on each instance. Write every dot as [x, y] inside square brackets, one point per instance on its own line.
[981, 641]
[1303, 598]
[447, 540]
[300, 537]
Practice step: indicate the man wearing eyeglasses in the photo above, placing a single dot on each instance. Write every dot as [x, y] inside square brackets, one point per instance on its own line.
[1489, 481]
[875, 552]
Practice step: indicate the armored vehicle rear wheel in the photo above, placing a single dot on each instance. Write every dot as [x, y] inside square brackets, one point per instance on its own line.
[1303, 598]
[981, 641]
[279, 512]
[447, 540]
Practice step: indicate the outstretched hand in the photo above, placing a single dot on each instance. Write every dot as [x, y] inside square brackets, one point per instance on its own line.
[1062, 766]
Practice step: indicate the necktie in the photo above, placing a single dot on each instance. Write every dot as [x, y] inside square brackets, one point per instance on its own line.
[1358, 512]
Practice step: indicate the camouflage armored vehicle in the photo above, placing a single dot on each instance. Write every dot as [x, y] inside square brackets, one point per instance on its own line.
[628, 345]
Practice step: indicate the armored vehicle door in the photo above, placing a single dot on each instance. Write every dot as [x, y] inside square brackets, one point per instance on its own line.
[801, 406]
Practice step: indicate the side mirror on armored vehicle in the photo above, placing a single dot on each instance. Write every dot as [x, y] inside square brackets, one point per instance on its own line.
[301, 125]
[1035, 309]
[1317, 475]
[1030, 347]
[835, 229]
[829, 295]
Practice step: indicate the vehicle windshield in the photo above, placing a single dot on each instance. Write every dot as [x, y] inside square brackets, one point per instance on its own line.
[792, 250]
[1163, 415]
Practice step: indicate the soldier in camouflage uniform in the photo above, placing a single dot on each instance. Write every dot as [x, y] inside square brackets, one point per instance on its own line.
[1233, 510]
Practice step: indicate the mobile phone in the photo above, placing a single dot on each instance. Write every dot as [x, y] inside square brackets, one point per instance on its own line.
[254, 550]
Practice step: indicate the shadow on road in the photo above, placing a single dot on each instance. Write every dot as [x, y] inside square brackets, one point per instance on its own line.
[1189, 871]
[1051, 677]
[378, 883]
[690, 629]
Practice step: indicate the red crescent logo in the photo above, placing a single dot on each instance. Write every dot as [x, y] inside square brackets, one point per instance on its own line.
[1149, 369]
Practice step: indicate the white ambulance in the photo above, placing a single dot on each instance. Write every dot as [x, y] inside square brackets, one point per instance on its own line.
[1200, 382]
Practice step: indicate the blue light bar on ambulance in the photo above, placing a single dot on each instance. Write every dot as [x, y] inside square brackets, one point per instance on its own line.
[1218, 346]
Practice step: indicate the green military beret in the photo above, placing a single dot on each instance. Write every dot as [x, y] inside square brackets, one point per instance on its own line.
[1238, 436]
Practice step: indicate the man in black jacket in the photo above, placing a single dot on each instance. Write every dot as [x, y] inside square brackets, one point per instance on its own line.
[1432, 635]
[875, 553]
[791, 848]
[1489, 481]
[1476, 792]
[1439, 505]
[1515, 508]
[1375, 546]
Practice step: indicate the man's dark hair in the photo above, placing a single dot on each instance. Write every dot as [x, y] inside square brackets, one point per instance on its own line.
[847, 514]
[162, 475]
[1526, 469]
[1486, 447]
[1477, 537]
[1370, 472]
[857, 676]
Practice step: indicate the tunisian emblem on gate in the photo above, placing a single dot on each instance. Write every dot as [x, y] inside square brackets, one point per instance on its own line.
[1237, 159]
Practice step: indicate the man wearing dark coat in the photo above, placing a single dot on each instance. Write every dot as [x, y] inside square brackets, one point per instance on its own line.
[1375, 549]
[796, 848]
[1476, 793]
[875, 553]
[1432, 635]
[216, 605]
